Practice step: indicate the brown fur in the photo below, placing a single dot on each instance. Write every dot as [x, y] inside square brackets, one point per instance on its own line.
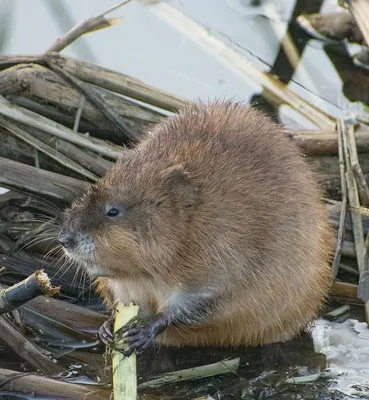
[220, 200]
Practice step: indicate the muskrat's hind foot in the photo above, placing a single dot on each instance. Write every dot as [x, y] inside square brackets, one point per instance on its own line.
[106, 331]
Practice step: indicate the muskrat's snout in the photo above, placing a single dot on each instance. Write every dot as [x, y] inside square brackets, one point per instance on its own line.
[66, 238]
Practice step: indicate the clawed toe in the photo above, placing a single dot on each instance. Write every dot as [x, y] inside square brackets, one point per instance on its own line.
[106, 331]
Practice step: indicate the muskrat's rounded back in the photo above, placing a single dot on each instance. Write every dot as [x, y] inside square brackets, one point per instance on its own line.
[220, 204]
[261, 225]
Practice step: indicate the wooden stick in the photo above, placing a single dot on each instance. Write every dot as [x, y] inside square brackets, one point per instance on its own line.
[78, 318]
[355, 165]
[221, 367]
[326, 142]
[36, 385]
[273, 88]
[39, 145]
[86, 26]
[360, 11]
[117, 82]
[353, 198]
[30, 118]
[94, 97]
[345, 291]
[102, 77]
[40, 182]
[18, 342]
[341, 229]
[89, 160]
[36, 284]
[124, 368]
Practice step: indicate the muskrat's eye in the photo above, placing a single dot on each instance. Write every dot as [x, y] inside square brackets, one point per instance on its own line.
[113, 212]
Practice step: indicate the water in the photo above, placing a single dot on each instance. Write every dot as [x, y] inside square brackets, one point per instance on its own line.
[147, 47]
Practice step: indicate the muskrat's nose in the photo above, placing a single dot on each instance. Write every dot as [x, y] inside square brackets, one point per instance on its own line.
[66, 239]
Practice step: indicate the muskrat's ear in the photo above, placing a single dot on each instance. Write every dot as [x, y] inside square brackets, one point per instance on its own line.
[179, 183]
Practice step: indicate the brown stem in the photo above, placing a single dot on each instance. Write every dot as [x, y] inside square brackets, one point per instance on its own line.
[36, 284]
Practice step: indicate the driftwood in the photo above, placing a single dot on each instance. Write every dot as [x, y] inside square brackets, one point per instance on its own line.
[325, 142]
[40, 182]
[18, 150]
[36, 284]
[360, 11]
[104, 78]
[43, 86]
[79, 318]
[354, 202]
[33, 384]
[346, 292]
[39, 145]
[22, 346]
[34, 120]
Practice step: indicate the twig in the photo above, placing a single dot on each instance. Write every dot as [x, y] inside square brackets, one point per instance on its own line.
[37, 121]
[39, 145]
[364, 277]
[359, 176]
[23, 177]
[89, 25]
[102, 77]
[360, 11]
[353, 198]
[124, 368]
[50, 388]
[87, 159]
[95, 99]
[273, 88]
[16, 340]
[341, 228]
[363, 290]
[116, 82]
[205, 371]
[345, 291]
[79, 113]
[35, 285]
[326, 142]
[37, 158]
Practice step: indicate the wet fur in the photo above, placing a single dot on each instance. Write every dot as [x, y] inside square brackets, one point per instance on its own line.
[225, 220]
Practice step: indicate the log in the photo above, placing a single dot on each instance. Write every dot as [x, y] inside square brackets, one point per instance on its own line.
[40, 182]
[38, 385]
[117, 82]
[102, 77]
[325, 142]
[30, 118]
[346, 292]
[329, 165]
[89, 160]
[79, 318]
[360, 11]
[20, 151]
[36, 284]
[42, 86]
[42, 147]
[16, 340]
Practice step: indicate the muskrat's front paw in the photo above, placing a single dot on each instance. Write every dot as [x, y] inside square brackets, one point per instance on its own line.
[139, 338]
[106, 331]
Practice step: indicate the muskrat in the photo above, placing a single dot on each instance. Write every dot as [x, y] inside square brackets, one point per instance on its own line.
[214, 225]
